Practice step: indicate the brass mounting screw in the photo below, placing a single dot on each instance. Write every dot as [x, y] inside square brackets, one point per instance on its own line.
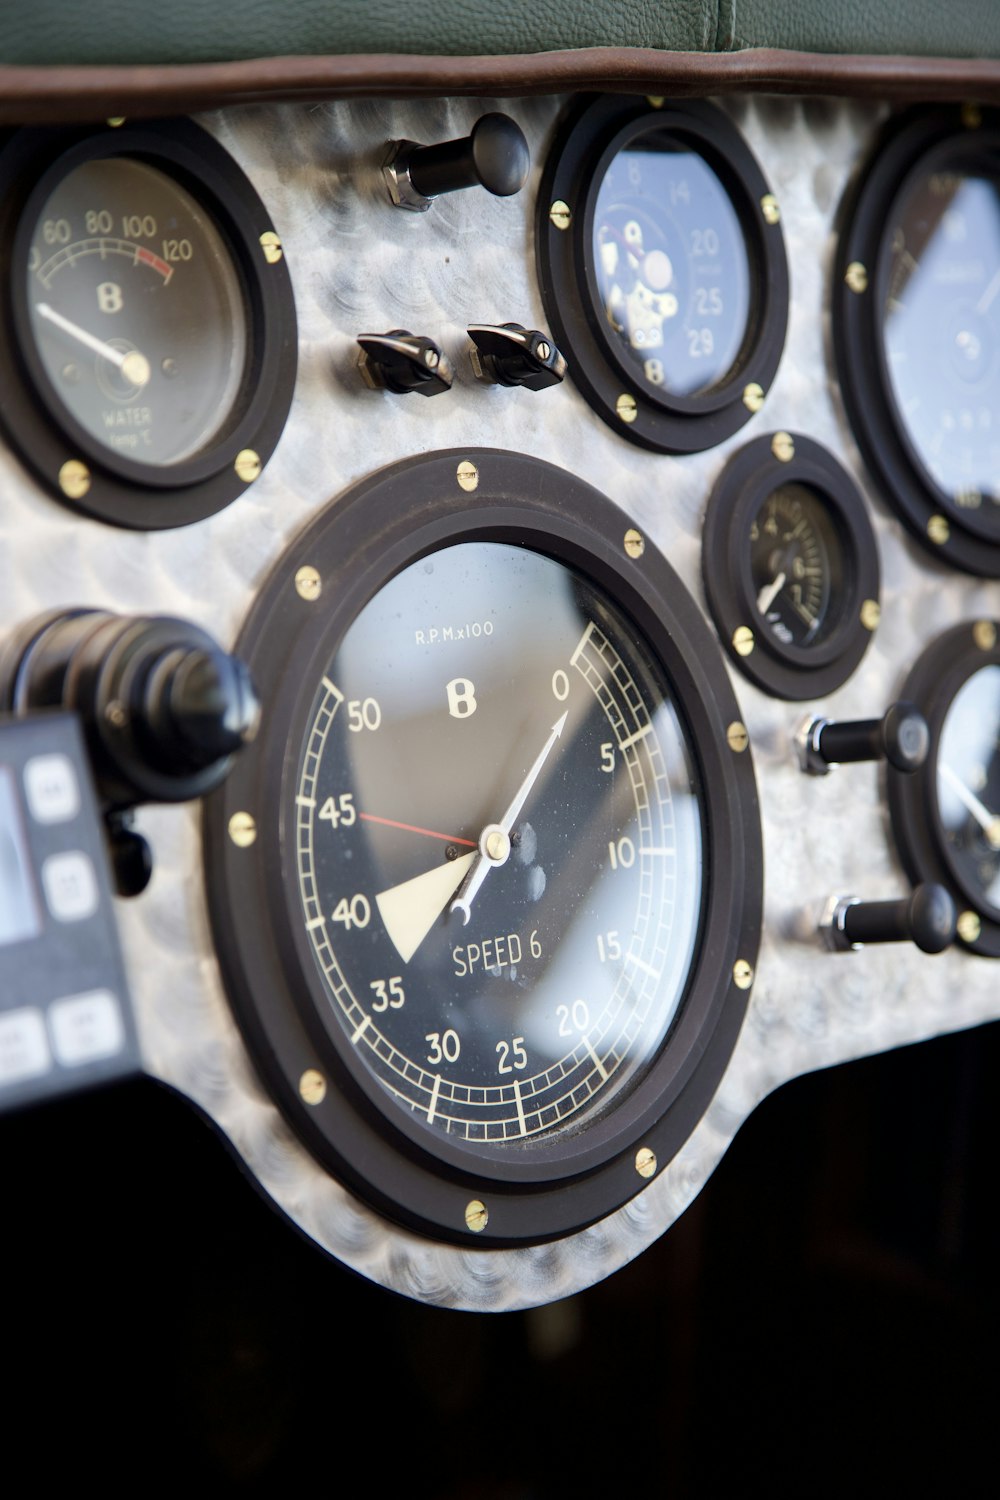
[312, 1086]
[559, 215]
[308, 584]
[743, 642]
[115, 121]
[271, 246]
[737, 736]
[247, 465]
[645, 1162]
[783, 447]
[969, 927]
[871, 613]
[242, 829]
[856, 277]
[938, 530]
[984, 633]
[468, 475]
[477, 1216]
[74, 479]
[753, 396]
[626, 408]
[635, 544]
[769, 208]
[742, 974]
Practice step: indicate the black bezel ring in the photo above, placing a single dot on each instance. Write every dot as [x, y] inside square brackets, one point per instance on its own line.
[932, 684]
[589, 137]
[751, 475]
[122, 490]
[356, 545]
[909, 147]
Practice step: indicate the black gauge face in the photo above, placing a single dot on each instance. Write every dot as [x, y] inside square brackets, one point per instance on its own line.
[790, 566]
[137, 310]
[492, 905]
[149, 353]
[499, 848]
[663, 270]
[797, 565]
[671, 265]
[946, 817]
[916, 327]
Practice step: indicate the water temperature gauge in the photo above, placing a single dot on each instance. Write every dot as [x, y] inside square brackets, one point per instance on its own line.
[152, 348]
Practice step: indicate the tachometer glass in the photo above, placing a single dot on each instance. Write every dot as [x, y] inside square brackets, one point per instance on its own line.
[498, 844]
[941, 332]
[673, 277]
[797, 565]
[137, 311]
[968, 784]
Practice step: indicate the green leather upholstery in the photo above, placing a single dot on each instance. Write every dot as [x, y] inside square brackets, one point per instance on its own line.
[50, 32]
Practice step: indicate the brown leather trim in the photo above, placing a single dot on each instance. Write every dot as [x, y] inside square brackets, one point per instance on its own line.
[32, 95]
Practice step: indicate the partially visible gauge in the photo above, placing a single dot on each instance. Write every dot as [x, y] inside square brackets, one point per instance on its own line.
[790, 566]
[663, 270]
[151, 344]
[486, 891]
[946, 816]
[916, 327]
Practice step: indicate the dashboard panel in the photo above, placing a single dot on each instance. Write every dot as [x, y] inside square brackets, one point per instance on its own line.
[358, 265]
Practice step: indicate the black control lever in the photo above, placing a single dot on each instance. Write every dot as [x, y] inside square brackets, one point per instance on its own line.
[510, 354]
[164, 710]
[494, 156]
[400, 361]
[901, 737]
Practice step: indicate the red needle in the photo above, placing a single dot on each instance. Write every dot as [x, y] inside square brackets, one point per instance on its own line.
[412, 828]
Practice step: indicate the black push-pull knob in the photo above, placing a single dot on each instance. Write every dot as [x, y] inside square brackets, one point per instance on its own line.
[510, 354]
[927, 918]
[901, 737]
[400, 361]
[494, 156]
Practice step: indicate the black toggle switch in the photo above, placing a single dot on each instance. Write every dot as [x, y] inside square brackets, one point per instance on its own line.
[901, 737]
[400, 361]
[510, 354]
[494, 156]
[927, 918]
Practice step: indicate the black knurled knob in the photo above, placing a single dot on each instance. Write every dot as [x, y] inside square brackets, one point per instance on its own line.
[927, 918]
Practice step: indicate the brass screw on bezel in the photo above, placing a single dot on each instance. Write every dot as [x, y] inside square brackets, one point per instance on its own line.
[467, 475]
[477, 1216]
[247, 465]
[984, 633]
[742, 974]
[743, 641]
[312, 1086]
[242, 829]
[737, 736]
[308, 584]
[645, 1162]
[74, 479]
[560, 215]
[635, 544]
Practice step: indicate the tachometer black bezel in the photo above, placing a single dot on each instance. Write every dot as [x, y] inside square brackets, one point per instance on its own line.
[122, 490]
[907, 148]
[588, 138]
[753, 473]
[356, 545]
[932, 684]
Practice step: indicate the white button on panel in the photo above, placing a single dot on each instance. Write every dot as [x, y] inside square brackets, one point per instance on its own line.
[70, 886]
[24, 1047]
[51, 788]
[86, 1027]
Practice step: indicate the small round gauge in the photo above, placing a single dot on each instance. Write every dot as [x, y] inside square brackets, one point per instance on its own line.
[946, 817]
[663, 270]
[492, 940]
[152, 351]
[790, 566]
[917, 329]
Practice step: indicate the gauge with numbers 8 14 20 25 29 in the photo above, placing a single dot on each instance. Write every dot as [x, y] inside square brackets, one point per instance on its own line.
[491, 940]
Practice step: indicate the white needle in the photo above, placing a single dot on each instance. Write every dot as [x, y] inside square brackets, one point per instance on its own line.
[409, 910]
[769, 593]
[494, 842]
[988, 822]
[133, 365]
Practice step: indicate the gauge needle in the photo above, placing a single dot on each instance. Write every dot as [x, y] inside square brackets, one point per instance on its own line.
[988, 822]
[133, 365]
[768, 594]
[494, 841]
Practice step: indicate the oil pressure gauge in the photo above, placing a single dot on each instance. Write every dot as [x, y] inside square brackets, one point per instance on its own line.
[151, 350]
[491, 939]
[663, 270]
[790, 566]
